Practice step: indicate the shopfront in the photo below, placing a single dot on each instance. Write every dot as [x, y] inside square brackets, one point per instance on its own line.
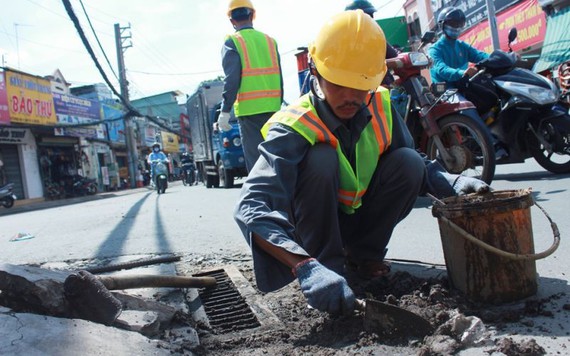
[60, 160]
[20, 166]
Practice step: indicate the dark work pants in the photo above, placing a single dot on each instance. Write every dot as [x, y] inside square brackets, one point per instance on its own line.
[250, 132]
[328, 234]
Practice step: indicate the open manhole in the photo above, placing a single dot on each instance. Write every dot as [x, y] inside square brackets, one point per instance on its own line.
[233, 305]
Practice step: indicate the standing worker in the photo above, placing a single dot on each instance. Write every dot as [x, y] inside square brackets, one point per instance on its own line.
[253, 82]
[336, 173]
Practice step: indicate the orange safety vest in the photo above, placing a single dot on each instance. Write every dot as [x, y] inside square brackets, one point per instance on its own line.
[260, 86]
[374, 140]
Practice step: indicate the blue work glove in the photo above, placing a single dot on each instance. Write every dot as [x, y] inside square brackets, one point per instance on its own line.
[324, 289]
[443, 184]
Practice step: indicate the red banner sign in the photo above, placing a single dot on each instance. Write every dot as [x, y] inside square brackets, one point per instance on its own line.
[4, 112]
[527, 16]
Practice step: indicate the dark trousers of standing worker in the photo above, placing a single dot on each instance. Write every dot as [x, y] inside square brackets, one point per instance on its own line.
[250, 132]
[329, 234]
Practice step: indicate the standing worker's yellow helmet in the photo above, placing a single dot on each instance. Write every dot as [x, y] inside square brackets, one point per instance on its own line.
[236, 4]
[350, 51]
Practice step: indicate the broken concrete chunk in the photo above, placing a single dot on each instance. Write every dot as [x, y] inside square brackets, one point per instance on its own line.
[27, 288]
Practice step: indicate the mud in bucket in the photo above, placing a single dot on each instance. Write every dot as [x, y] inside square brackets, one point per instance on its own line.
[488, 244]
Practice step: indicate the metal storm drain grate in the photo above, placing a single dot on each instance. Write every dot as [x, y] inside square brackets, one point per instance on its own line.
[225, 307]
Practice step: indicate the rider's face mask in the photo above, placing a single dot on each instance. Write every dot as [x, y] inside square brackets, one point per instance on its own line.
[156, 149]
[452, 32]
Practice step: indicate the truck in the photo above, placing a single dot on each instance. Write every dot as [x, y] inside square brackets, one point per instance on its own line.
[218, 155]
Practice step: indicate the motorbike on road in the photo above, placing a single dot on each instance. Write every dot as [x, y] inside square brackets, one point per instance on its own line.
[188, 174]
[160, 175]
[521, 108]
[7, 196]
[444, 129]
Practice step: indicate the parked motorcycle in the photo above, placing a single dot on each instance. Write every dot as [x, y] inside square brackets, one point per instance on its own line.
[521, 109]
[443, 128]
[160, 175]
[83, 186]
[7, 196]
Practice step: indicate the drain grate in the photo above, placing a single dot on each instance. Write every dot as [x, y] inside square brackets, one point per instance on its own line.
[225, 307]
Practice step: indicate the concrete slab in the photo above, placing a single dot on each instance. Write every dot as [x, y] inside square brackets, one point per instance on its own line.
[31, 334]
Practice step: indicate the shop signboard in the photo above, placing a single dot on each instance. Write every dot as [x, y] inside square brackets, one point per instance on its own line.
[73, 110]
[115, 124]
[527, 16]
[29, 99]
[169, 142]
[150, 135]
[11, 135]
[4, 112]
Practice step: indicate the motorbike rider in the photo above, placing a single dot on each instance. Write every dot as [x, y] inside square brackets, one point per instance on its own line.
[154, 157]
[336, 173]
[452, 56]
[186, 163]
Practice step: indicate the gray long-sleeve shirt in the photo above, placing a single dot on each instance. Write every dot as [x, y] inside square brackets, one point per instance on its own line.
[268, 192]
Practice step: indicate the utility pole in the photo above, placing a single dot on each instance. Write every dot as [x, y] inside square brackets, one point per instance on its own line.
[132, 155]
[491, 15]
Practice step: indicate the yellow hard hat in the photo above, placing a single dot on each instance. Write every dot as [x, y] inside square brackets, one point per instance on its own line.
[236, 4]
[350, 51]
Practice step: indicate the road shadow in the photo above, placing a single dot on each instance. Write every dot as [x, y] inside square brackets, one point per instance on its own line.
[113, 244]
[530, 176]
[160, 233]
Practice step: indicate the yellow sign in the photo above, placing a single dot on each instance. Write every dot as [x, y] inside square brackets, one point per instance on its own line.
[29, 99]
[169, 142]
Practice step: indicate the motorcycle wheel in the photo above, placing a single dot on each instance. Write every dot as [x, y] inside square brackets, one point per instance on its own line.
[8, 202]
[557, 134]
[470, 144]
[185, 179]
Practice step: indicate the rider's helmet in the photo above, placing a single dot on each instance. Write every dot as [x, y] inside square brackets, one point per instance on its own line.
[350, 51]
[240, 9]
[363, 5]
[451, 21]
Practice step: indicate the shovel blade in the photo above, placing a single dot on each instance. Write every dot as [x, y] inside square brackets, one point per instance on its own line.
[390, 320]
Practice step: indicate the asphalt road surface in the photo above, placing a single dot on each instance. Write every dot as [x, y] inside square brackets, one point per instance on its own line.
[199, 220]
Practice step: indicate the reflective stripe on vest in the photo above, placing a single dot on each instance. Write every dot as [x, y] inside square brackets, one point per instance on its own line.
[260, 87]
[374, 140]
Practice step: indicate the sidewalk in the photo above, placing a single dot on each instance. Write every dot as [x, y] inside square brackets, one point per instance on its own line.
[25, 205]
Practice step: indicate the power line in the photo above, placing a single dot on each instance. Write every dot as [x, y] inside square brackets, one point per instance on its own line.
[97, 38]
[131, 111]
[174, 74]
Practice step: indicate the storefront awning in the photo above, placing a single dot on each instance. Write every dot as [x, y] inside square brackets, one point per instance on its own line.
[556, 46]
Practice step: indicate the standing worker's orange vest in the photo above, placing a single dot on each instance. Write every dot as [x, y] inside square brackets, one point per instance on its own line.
[260, 88]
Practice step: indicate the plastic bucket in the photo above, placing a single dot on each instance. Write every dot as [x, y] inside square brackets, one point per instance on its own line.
[488, 244]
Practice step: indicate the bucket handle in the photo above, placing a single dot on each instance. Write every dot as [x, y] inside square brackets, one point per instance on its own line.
[512, 256]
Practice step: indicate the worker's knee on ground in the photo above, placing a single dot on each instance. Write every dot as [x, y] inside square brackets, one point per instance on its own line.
[404, 166]
[321, 163]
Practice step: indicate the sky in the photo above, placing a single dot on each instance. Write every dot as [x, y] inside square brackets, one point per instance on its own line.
[174, 44]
